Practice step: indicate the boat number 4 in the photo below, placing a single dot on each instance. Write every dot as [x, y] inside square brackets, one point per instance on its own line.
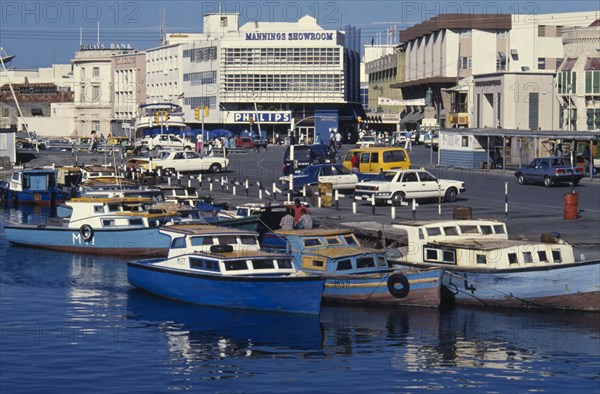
[468, 286]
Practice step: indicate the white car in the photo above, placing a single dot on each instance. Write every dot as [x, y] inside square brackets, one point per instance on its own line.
[339, 176]
[166, 141]
[189, 161]
[368, 141]
[397, 186]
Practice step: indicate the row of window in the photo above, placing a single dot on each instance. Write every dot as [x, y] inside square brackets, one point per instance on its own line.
[95, 72]
[159, 64]
[384, 75]
[204, 101]
[238, 265]
[348, 240]
[282, 56]
[201, 78]
[161, 89]
[199, 55]
[449, 257]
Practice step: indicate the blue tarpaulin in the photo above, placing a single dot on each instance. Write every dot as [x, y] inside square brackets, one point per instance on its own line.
[219, 133]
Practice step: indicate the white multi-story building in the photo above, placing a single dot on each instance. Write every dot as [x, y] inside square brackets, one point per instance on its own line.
[129, 90]
[93, 87]
[269, 72]
[442, 51]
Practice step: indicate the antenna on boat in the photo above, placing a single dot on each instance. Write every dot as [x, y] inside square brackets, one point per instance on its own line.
[4, 55]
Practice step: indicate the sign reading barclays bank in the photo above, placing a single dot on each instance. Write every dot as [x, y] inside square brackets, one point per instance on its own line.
[302, 36]
[262, 117]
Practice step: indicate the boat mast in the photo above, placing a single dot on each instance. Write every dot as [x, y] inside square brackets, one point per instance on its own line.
[3, 54]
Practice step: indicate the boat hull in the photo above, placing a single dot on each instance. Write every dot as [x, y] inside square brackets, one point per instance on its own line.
[293, 294]
[424, 289]
[574, 286]
[43, 198]
[115, 242]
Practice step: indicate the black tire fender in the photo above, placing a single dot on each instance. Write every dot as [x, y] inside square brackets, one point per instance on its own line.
[225, 248]
[396, 279]
[87, 232]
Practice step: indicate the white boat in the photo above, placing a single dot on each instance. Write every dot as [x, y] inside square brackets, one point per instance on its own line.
[484, 267]
[170, 120]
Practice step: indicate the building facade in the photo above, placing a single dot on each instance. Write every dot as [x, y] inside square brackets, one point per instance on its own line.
[129, 90]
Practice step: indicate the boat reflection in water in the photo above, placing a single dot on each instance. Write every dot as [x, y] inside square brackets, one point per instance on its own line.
[196, 333]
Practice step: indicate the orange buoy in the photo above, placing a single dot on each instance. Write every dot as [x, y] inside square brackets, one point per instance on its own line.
[571, 206]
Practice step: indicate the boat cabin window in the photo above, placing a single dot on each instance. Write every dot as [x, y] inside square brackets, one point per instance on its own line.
[15, 176]
[236, 265]
[481, 259]
[179, 192]
[203, 264]
[113, 207]
[284, 263]
[108, 222]
[351, 240]
[556, 256]
[248, 240]
[311, 263]
[421, 234]
[178, 243]
[312, 242]
[365, 262]
[381, 261]
[136, 222]
[243, 212]
[227, 240]
[512, 258]
[499, 229]
[344, 265]
[98, 208]
[263, 264]
[527, 257]
[431, 231]
[469, 230]
[486, 230]
[441, 256]
[542, 256]
[450, 230]
[201, 241]
[332, 241]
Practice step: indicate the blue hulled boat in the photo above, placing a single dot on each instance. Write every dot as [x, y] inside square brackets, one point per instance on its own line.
[355, 274]
[33, 186]
[222, 267]
[112, 226]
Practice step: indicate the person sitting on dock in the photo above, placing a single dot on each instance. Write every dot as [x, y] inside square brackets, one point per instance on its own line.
[287, 222]
[305, 221]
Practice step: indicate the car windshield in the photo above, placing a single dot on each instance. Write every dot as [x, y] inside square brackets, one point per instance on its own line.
[385, 176]
[342, 170]
[163, 155]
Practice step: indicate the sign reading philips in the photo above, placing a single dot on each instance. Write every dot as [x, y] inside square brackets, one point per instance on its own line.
[262, 117]
[303, 36]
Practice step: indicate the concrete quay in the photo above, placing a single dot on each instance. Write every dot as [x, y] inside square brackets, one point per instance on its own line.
[532, 209]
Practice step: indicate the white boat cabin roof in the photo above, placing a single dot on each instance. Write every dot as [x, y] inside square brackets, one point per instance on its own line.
[204, 230]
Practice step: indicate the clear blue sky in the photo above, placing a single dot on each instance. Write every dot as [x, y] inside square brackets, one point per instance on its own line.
[44, 32]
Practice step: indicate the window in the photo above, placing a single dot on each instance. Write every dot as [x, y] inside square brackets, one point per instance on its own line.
[541, 63]
[432, 231]
[448, 256]
[350, 240]
[450, 230]
[469, 230]
[98, 208]
[365, 262]
[207, 265]
[136, 222]
[95, 93]
[486, 230]
[178, 243]
[465, 63]
[312, 242]
[410, 177]
[593, 119]
[431, 254]
[556, 256]
[512, 258]
[113, 207]
[333, 241]
[381, 262]
[592, 82]
[465, 141]
[236, 265]
[392, 156]
[96, 71]
[108, 222]
[344, 265]
[481, 259]
[567, 82]
[5, 113]
[499, 229]
[542, 256]
[374, 157]
[227, 240]
[426, 177]
[248, 240]
[527, 258]
[263, 264]
[201, 241]
[364, 157]
[95, 125]
[283, 264]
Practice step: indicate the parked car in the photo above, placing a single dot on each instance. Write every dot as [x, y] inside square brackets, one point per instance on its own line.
[432, 139]
[166, 141]
[28, 140]
[183, 161]
[400, 185]
[306, 155]
[375, 160]
[244, 143]
[369, 141]
[549, 171]
[339, 176]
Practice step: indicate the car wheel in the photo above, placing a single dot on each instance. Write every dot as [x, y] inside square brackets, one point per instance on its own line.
[547, 181]
[19, 145]
[450, 195]
[187, 148]
[215, 168]
[521, 179]
[157, 147]
[398, 198]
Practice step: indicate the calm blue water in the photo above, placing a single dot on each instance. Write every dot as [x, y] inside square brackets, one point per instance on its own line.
[72, 322]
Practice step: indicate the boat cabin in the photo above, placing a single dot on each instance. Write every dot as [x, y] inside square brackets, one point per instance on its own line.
[479, 244]
[332, 251]
[34, 180]
[224, 251]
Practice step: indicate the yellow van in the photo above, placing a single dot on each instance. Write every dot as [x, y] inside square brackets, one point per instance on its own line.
[375, 160]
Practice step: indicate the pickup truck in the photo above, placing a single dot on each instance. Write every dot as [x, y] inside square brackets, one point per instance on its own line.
[400, 185]
[549, 171]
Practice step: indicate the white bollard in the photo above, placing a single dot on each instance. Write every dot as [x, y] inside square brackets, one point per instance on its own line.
[234, 190]
[354, 207]
[260, 196]
[189, 183]
[169, 180]
[319, 202]
[393, 212]
[210, 185]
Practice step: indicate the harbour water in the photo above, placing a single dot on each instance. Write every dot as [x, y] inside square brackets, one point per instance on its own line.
[72, 322]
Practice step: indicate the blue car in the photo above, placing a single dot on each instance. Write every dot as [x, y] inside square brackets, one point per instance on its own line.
[339, 176]
[549, 171]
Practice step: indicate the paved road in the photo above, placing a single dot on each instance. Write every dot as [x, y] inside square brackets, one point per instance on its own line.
[533, 209]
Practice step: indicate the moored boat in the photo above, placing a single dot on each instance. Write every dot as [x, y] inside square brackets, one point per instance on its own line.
[113, 226]
[33, 186]
[356, 274]
[483, 267]
[222, 267]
